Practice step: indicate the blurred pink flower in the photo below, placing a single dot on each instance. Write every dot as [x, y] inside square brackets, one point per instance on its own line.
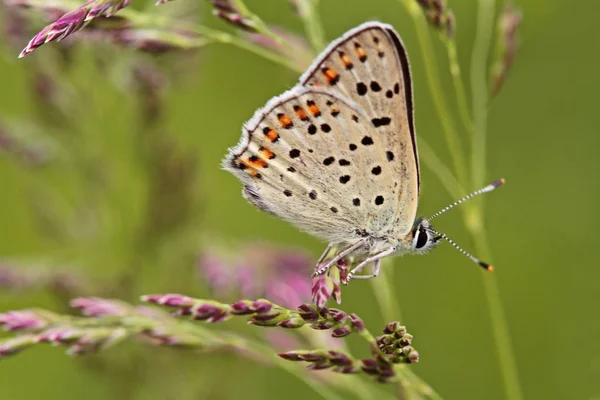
[259, 270]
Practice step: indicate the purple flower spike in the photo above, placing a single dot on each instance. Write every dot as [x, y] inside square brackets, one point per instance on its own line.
[370, 366]
[357, 323]
[265, 317]
[26, 320]
[205, 312]
[400, 332]
[219, 316]
[324, 325]
[391, 327]
[73, 21]
[291, 323]
[261, 306]
[224, 5]
[349, 369]
[386, 371]
[242, 307]
[406, 339]
[236, 20]
[413, 357]
[308, 313]
[338, 315]
[290, 356]
[169, 300]
[312, 357]
[318, 366]
[16, 345]
[98, 307]
[59, 335]
[322, 289]
[341, 332]
[339, 359]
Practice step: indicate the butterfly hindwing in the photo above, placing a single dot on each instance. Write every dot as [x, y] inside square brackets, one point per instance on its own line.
[312, 158]
[369, 65]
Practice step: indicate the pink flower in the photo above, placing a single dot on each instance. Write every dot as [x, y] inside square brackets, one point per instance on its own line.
[73, 21]
[258, 270]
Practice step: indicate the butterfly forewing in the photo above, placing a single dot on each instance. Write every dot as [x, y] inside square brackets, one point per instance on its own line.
[369, 65]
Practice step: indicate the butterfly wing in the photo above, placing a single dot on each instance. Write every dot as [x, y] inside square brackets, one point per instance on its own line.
[304, 157]
[369, 65]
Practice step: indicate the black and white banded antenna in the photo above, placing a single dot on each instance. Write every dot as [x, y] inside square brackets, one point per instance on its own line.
[486, 189]
[439, 236]
[476, 260]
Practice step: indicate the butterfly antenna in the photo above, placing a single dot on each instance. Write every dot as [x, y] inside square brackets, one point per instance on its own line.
[476, 260]
[486, 189]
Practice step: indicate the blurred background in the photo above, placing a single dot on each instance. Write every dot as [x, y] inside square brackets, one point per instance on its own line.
[111, 186]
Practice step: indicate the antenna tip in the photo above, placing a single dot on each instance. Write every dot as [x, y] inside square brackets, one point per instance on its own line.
[486, 266]
[497, 183]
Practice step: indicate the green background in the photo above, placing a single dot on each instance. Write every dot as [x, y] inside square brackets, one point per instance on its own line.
[543, 139]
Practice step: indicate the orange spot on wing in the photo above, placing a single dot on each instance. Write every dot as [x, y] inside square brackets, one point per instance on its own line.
[271, 135]
[253, 172]
[300, 113]
[313, 109]
[332, 76]
[346, 60]
[285, 121]
[256, 162]
[267, 153]
[360, 52]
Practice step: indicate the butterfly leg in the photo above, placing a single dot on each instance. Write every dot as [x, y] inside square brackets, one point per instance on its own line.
[373, 259]
[338, 257]
[327, 250]
[376, 268]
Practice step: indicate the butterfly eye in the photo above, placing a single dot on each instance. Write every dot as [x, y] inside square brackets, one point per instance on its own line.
[421, 239]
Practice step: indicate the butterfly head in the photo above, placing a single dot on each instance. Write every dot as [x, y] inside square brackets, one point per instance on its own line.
[423, 237]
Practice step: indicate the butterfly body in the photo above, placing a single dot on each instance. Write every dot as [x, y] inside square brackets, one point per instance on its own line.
[336, 155]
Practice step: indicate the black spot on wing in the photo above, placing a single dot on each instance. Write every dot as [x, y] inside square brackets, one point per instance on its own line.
[361, 88]
[383, 121]
[375, 86]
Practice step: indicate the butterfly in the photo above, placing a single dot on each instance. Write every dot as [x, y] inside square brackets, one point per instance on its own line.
[337, 157]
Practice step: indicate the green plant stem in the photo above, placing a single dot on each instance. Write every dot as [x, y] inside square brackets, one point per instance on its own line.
[409, 383]
[259, 349]
[433, 79]
[312, 24]
[441, 170]
[459, 88]
[319, 388]
[479, 81]
[260, 25]
[500, 330]
[384, 293]
[140, 19]
[479, 87]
